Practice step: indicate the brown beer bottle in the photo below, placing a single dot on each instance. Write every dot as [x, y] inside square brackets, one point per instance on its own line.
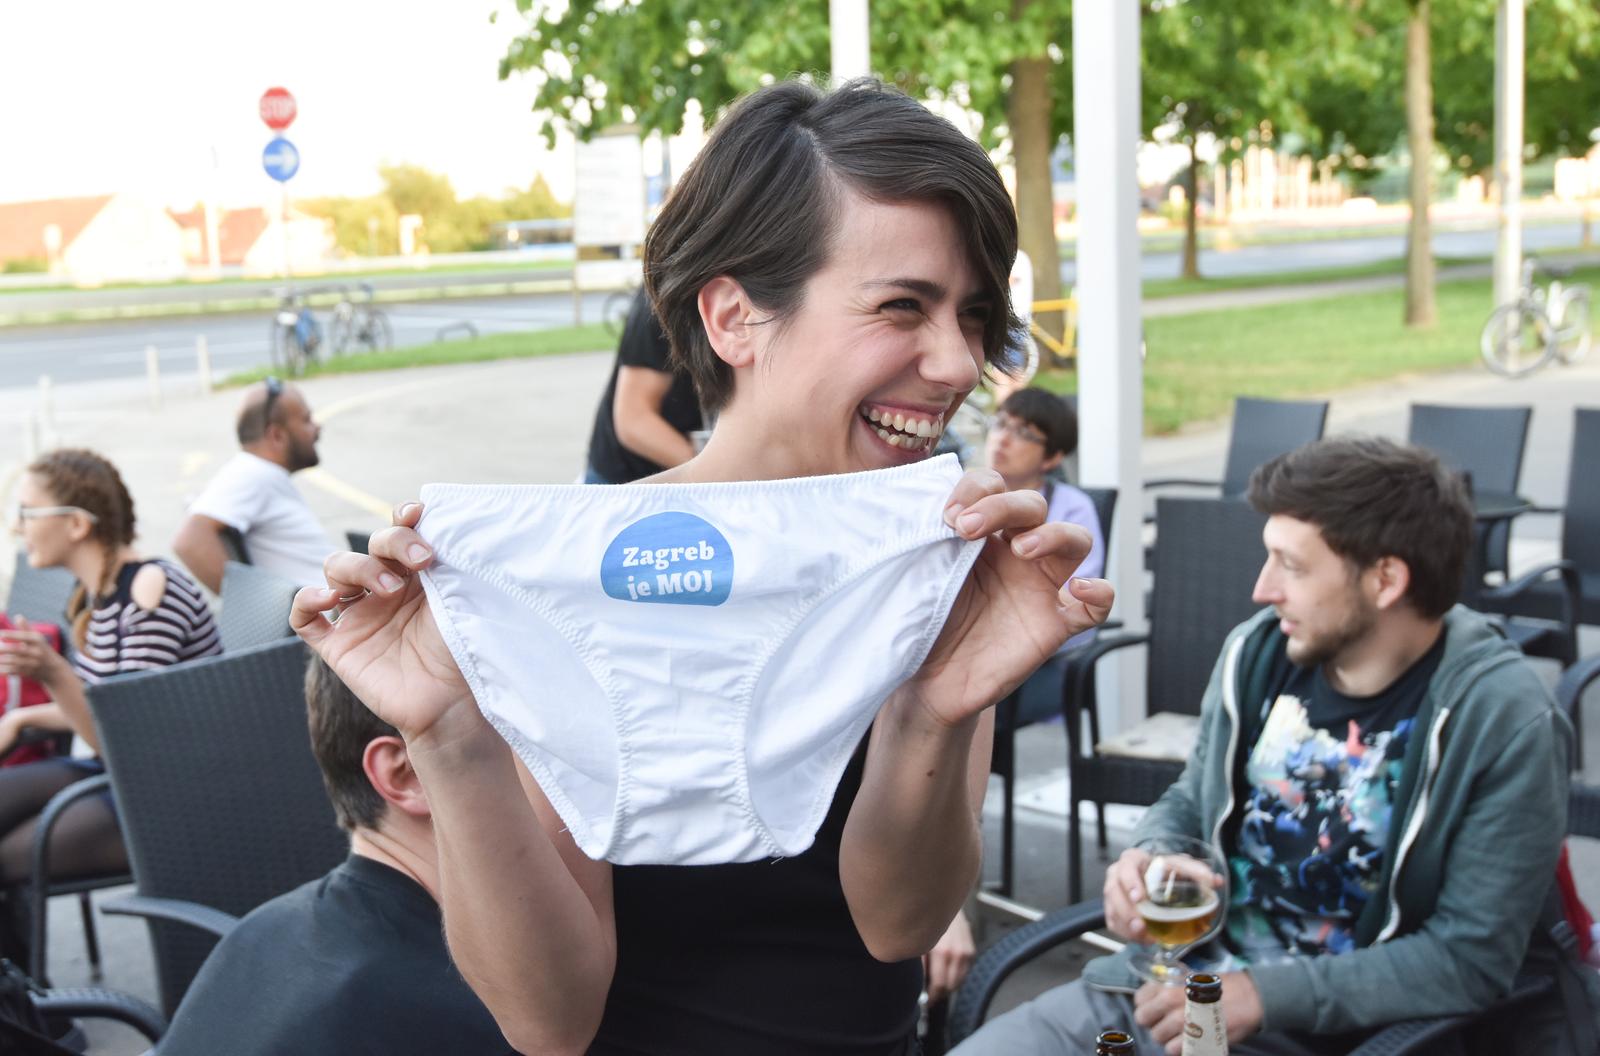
[1113, 1043]
[1204, 1032]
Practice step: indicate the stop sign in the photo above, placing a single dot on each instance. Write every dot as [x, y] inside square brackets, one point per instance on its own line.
[278, 109]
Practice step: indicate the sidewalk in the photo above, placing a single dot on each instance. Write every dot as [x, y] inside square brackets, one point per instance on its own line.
[527, 421]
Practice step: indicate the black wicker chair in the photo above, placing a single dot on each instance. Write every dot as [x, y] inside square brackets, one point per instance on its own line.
[1262, 429]
[1208, 555]
[40, 594]
[221, 802]
[358, 541]
[1569, 694]
[254, 607]
[1430, 1037]
[1046, 681]
[1486, 443]
[233, 544]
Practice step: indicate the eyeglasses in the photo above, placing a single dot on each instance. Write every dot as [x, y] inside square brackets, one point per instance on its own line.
[34, 513]
[1004, 423]
[274, 386]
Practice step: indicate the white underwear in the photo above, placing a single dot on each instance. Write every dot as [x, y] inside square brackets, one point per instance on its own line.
[686, 668]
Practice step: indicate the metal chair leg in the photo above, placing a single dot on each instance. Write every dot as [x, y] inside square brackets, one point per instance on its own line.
[90, 938]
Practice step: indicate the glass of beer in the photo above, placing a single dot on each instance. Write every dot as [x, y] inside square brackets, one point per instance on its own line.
[1185, 890]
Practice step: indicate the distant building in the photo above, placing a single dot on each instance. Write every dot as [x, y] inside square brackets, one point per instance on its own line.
[252, 240]
[104, 238]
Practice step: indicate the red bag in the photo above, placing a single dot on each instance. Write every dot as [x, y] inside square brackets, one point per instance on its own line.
[1572, 907]
[18, 692]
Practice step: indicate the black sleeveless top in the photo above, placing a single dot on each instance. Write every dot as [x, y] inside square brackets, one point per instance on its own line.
[755, 957]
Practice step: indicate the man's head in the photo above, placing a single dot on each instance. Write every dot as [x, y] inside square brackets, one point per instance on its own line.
[275, 423]
[1030, 435]
[1359, 530]
[363, 760]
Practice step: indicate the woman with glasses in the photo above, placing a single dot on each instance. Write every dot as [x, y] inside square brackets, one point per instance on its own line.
[128, 613]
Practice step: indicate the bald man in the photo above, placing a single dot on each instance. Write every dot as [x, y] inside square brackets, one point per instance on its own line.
[253, 494]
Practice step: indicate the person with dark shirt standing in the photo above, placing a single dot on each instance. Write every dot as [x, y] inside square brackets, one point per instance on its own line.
[643, 423]
[354, 961]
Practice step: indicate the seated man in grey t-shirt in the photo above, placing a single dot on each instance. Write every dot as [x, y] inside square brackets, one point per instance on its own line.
[253, 495]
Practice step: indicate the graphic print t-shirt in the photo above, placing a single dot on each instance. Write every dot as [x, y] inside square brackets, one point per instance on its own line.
[1321, 780]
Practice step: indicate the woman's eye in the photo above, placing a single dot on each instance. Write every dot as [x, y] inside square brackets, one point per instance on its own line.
[904, 304]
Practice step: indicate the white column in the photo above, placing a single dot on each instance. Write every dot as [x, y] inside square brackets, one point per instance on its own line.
[1509, 45]
[848, 40]
[1105, 71]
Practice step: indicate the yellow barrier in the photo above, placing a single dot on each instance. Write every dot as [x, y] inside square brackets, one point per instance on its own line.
[1066, 348]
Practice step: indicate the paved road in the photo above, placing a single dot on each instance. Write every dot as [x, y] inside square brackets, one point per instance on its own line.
[79, 352]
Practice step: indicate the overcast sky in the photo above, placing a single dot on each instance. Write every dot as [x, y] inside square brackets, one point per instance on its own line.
[99, 96]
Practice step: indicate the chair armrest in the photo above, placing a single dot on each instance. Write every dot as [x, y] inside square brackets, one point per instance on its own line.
[1583, 811]
[96, 1003]
[1417, 1036]
[39, 880]
[1574, 680]
[1181, 482]
[174, 910]
[1565, 570]
[971, 1002]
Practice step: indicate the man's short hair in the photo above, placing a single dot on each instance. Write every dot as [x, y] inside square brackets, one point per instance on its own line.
[762, 201]
[1372, 498]
[341, 729]
[1048, 413]
[261, 407]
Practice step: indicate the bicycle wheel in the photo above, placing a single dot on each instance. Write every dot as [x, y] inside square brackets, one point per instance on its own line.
[1570, 317]
[278, 346]
[375, 333]
[342, 328]
[1517, 340]
[614, 311]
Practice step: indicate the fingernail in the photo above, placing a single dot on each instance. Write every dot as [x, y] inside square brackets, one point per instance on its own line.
[1024, 545]
[329, 592]
[409, 508]
[970, 522]
[389, 582]
[950, 512]
[418, 552]
[1078, 583]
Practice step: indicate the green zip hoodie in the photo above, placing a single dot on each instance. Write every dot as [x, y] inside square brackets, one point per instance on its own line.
[1479, 816]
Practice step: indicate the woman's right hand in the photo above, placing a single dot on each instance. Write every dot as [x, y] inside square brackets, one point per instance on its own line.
[385, 645]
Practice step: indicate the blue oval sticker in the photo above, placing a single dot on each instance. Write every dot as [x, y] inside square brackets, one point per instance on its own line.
[671, 559]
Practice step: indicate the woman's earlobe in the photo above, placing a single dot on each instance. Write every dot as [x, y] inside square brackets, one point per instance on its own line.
[725, 312]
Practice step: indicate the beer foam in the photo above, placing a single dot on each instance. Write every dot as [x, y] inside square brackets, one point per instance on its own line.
[1173, 914]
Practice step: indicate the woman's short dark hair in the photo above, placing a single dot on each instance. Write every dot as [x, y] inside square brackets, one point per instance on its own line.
[761, 204]
[1048, 413]
[341, 729]
[1372, 498]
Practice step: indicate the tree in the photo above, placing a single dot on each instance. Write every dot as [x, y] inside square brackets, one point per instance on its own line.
[1421, 303]
[600, 63]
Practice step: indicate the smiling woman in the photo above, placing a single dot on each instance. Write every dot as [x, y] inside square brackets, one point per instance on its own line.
[832, 271]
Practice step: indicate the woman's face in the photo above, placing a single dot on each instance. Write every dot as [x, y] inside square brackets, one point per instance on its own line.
[886, 344]
[50, 538]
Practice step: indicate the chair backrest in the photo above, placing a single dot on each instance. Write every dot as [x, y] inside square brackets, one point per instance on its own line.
[1105, 507]
[40, 594]
[1208, 555]
[255, 607]
[1580, 525]
[358, 541]
[219, 797]
[1485, 442]
[233, 544]
[1265, 429]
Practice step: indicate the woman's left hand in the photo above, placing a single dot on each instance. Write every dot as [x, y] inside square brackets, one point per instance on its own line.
[1018, 605]
[26, 652]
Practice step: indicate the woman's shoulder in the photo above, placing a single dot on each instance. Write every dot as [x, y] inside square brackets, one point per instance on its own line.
[156, 579]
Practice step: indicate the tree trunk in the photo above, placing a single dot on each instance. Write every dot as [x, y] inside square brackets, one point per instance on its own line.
[1028, 114]
[1191, 217]
[1421, 309]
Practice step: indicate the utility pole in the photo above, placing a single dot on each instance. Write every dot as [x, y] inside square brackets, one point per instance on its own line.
[1510, 44]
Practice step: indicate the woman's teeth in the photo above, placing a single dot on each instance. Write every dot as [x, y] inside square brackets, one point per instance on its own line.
[897, 430]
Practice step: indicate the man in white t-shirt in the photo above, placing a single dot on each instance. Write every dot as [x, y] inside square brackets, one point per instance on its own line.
[253, 494]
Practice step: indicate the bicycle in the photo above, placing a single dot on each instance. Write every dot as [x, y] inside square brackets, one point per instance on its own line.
[1539, 326]
[295, 336]
[361, 324]
[614, 309]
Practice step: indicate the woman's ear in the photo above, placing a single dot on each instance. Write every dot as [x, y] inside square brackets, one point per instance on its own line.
[728, 315]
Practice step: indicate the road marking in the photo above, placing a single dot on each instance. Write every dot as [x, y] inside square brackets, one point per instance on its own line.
[327, 482]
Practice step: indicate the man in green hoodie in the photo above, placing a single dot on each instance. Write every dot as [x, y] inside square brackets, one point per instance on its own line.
[1384, 773]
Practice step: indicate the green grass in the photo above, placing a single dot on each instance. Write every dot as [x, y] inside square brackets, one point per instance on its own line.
[554, 342]
[1158, 288]
[1199, 362]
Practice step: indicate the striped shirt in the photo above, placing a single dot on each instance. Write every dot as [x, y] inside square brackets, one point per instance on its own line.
[122, 637]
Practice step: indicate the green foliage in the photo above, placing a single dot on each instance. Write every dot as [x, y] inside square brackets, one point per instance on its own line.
[25, 266]
[370, 226]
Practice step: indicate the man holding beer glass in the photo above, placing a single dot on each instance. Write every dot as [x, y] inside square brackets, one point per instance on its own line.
[1377, 795]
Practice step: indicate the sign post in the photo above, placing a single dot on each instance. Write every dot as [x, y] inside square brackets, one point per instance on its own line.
[280, 158]
[608, 208]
